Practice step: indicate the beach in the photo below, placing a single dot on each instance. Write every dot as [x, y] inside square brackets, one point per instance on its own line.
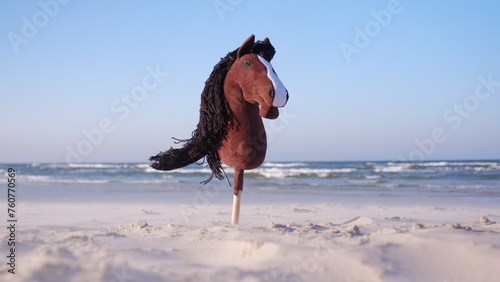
[371, 128]
[154, 226]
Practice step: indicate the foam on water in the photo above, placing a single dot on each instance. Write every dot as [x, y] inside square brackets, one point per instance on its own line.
[475, 175]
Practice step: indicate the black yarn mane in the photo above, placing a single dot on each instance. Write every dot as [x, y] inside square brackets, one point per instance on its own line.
[216, 118]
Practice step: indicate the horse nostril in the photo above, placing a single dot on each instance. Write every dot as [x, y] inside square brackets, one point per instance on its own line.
[271, 93]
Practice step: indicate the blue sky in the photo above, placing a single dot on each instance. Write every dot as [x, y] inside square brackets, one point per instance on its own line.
[368, 80]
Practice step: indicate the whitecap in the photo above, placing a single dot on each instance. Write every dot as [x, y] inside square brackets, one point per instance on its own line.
[397, 167]
[276, 164]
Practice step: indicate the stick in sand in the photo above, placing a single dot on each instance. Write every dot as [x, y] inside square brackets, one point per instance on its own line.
[237, 190]
[236, 208]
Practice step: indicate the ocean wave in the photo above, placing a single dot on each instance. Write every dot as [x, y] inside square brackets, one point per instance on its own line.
[96, 165]
[481, 174]
[275, 172]
[203, 170]
[148, 169]
[276, 164]
[393, 167]
[434, 164]
[45, 179]
[436, 167]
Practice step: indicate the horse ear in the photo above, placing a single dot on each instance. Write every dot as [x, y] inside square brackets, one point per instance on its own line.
[247, 46]
[266, 41]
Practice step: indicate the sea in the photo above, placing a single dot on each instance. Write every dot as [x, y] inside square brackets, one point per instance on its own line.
[478, 179]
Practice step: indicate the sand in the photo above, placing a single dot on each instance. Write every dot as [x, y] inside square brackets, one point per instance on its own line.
[297, 238]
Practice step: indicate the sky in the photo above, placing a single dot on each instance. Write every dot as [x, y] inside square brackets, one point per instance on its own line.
[114, 81]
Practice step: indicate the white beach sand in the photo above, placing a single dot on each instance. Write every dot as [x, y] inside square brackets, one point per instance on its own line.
[295, 238]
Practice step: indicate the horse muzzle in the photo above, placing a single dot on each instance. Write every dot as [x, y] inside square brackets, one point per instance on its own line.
[280, 97]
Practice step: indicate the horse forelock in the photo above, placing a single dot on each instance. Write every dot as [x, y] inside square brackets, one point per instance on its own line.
[265, 50]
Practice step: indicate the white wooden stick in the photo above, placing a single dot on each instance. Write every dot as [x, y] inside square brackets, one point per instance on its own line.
[236, 208]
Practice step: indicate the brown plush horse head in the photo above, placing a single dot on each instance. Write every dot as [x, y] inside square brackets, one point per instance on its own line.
[242, 88]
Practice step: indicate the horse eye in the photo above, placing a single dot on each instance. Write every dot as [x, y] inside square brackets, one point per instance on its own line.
[246, 63]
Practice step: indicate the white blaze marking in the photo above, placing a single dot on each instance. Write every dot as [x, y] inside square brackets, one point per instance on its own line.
[280, 93]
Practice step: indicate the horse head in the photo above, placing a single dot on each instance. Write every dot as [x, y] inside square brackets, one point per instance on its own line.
[255, 77]
[246, 77]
